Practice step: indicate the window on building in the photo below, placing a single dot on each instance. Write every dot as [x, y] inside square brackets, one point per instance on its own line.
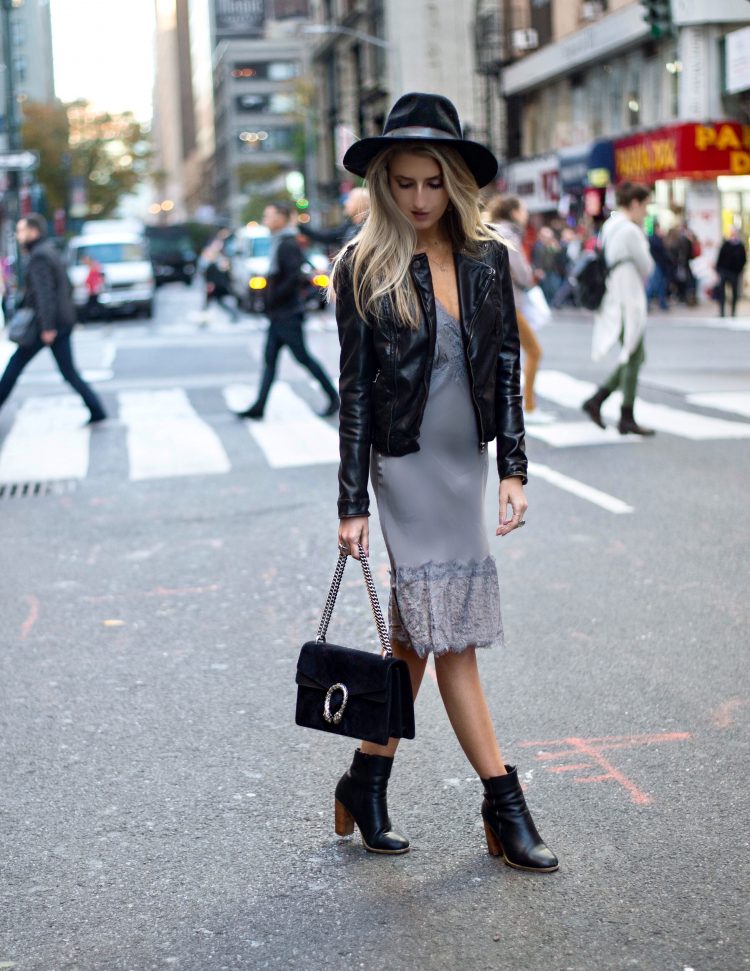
[278, 103]
[265, 70]
[268, 140]
[291, 8]
[283, 70]
[20, 68]
[18, 33]
[541, 20]
[634, 109]
[252, 102]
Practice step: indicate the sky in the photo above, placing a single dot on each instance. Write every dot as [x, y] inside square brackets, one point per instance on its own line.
[103, 52]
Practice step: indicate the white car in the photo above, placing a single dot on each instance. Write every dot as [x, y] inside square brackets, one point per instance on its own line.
[250, 253]
[129, 285]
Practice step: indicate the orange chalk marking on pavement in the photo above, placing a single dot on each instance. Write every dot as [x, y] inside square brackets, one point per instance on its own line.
[31, 617]
[723, 717]
[181, 591]
[593, 749]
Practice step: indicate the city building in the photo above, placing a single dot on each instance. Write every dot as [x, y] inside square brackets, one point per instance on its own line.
[367, 53]
[595, 94]
[28, 46]
[173, 126]
[231, 72]
[31, 52]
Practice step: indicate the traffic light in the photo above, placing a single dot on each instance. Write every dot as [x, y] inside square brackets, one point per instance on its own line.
[658, 15]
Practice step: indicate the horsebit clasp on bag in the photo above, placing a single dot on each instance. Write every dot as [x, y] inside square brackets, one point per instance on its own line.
[335, 718]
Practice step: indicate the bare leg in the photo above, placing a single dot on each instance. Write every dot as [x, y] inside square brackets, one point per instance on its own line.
[463, 697]
[532, 356]
[416, 671]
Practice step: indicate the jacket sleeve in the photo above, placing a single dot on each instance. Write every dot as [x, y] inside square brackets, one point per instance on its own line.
[40, 282]
[287, 282]
[641, 253]
[329, 237]
[511, 450]
[355, 389]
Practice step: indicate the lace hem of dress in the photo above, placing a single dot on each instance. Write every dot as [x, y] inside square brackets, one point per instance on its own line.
[445, 607]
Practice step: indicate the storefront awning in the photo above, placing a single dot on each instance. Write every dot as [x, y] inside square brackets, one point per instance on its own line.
[586, 165]
[700, 151]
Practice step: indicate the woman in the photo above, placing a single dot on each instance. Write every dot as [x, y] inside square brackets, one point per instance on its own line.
[429, 375]
[621, 318]
[509, 216]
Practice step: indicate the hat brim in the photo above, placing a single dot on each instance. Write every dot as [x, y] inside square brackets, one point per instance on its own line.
[480, 161]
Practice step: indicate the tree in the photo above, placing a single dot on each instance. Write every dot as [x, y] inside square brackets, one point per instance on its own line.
[109, 153]
[46, 130]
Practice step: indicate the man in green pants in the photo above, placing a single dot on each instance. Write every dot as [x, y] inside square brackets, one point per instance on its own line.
[622, 314]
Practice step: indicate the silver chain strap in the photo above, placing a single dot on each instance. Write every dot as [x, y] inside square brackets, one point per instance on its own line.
[372, 593]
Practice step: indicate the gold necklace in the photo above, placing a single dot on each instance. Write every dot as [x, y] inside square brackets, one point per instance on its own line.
[441, 266]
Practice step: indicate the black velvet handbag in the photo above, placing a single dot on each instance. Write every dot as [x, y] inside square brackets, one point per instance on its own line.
[350, 692]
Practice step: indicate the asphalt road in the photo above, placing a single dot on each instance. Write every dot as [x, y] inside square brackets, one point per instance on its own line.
[158, 807]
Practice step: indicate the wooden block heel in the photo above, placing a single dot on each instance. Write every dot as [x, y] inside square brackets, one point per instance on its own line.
[493, 843]
[343, 819]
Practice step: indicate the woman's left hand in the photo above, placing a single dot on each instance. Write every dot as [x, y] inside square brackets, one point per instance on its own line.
[511, 494]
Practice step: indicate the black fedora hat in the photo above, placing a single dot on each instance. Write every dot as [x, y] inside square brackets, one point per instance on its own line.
[419, 117]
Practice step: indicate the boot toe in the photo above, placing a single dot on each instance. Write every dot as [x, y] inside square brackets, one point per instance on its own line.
[389, 842]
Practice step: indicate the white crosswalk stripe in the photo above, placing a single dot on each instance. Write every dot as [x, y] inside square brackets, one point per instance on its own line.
[571, 392]
[166, 436]
[290, 434]
[734, 402]
[47, 442]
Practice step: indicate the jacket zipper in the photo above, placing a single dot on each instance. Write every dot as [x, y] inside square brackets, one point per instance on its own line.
[482, 298]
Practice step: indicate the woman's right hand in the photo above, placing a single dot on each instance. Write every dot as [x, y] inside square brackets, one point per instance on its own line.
[353, 531]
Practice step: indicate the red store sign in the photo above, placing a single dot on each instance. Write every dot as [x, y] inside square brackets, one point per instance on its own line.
[688, 151]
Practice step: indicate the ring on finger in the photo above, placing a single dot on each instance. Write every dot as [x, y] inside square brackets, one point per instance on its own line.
[521, 522]
[344, 549]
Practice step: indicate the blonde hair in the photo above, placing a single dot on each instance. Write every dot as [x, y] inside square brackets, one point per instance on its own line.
[384, 247]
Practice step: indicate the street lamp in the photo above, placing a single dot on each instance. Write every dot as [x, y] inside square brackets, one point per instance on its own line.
[359, 35]
[347, 32]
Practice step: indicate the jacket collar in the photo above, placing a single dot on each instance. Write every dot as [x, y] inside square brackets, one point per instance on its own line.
[472, 275]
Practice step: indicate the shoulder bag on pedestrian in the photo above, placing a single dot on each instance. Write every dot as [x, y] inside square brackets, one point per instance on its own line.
[351, 692]
[22, 329]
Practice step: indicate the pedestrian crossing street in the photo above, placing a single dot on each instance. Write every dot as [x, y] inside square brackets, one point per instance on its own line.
[167, 437]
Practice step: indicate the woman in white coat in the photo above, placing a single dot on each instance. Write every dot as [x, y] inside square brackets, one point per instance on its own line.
[622, 315]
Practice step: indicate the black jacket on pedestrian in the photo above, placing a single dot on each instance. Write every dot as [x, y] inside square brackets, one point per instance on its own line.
[661, 255]
[283, 293]
[386, 369]
[732, 256]
[48, 290]
[219, 278]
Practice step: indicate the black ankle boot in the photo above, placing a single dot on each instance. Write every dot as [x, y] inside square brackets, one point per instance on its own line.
[509, 828]
[361, 799]
[593, 406]
[627, 424]
[254, 411]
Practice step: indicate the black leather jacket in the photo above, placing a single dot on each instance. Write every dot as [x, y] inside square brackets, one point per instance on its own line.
[386, 369]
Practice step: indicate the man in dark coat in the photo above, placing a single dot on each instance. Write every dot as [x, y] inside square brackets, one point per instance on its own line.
[284, 307]
[729, 265]
[48, 293]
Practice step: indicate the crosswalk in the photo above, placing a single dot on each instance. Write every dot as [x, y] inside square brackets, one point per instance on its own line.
[166, 435]
[570, 392]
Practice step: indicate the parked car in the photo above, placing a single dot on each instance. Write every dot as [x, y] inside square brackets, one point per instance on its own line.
[250, 254]
[172, 255]
[129, 284]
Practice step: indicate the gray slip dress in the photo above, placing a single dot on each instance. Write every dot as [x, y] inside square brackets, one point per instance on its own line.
[445, 595]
